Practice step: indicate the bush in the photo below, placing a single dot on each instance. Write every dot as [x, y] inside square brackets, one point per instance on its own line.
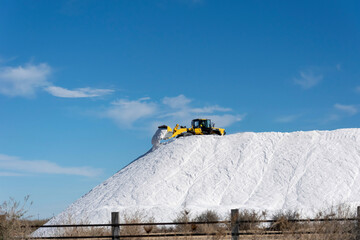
[77, 231]
[336, 229]
[12, 219]
[206, 216]
[284, 221]
[248, 219]
[183, 217]
[137, 217]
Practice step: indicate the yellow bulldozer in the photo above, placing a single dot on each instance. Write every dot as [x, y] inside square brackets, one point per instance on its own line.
[198, 127]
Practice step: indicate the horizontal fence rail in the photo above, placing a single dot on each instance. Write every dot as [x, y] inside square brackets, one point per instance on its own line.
[187, 223]
[129, 224]
[233, 228]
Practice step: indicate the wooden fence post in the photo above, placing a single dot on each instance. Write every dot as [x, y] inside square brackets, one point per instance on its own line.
[358, 224]
[115, 230]
[234, 224]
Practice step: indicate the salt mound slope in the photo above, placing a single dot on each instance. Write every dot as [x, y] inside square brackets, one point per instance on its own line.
[306, 171]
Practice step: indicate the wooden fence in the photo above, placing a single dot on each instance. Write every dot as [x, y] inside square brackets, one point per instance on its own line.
[233, 228]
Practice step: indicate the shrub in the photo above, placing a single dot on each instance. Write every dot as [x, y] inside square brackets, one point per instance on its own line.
[248, 219]
[12, 219]
[183, 217]
[206, 216]
[336, 229]
[137, 217]
[78, 231]
[284, 221]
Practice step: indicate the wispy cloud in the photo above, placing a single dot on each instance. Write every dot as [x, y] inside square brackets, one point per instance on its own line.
[77, 93]
[14, 166]
[11, 174]
[338, 67]
[125, 112]
[5, 60]
[287, 119]
[308, 79]
[341, 111]
[348, 109]
[226, 119]
[177, 102]
[332, 117]
[24, 81]
[170, 110]
[210, 109]
[183, 111]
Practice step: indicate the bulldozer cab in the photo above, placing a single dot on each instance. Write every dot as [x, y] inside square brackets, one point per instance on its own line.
[201, 123]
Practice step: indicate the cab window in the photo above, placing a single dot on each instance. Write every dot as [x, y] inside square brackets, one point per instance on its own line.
[205, 123]
[208, 124]
[196, 124]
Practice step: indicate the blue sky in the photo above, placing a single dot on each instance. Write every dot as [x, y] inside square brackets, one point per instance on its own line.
[84, 84]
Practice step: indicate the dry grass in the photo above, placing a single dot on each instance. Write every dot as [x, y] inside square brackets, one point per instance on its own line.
[251, 217]
[220, 230]
[284, 221]
[79, 231]
[184, 217]
[13, 219]
[320, 230]
[336, 229]
[136, 217]
[15, 224]
[327, 230]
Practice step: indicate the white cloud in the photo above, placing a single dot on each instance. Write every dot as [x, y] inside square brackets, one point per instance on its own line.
[126, 112]
[177, 102]
[5, 60]
[170, 111]
[77, 93]
[181, 112]
[14, 166]
[338, 67]
[349, 109]
[308, 79]
[287, 119]
[11, 174]
[24, 81]
[225, 120]
[210, 109]
[180, 107]
[332, 117]
[184, 116]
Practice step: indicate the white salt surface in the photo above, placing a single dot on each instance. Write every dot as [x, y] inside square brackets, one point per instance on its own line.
[159, 134]
[306, 171]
